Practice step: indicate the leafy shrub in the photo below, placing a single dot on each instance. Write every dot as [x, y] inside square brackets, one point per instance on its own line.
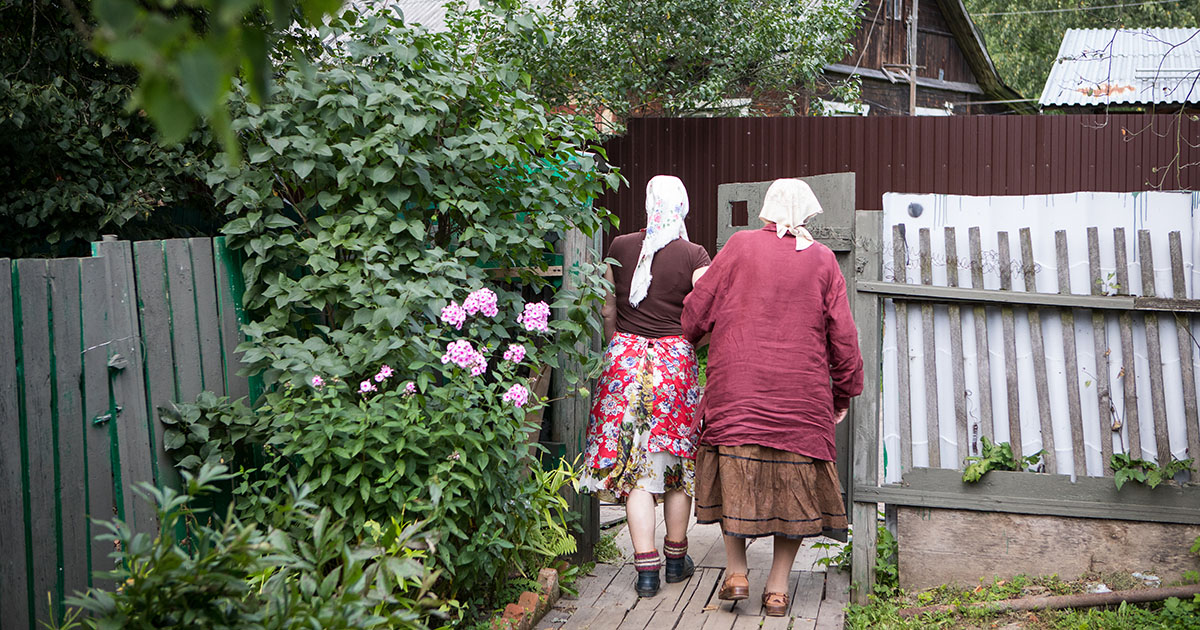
[998, 457]
[212, 430]
[1127, 468]
[299, 574]
[887, 568]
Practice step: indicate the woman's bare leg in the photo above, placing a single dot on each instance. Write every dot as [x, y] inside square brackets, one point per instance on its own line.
[677, 508]
[781, 563]
[735, 555]
[639, 514]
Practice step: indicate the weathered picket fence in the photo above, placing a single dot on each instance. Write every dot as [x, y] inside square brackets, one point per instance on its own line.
[89, 349]
[1114, 313]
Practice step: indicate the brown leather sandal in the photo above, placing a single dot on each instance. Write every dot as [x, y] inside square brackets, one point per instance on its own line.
[775, 604]
[736, 587]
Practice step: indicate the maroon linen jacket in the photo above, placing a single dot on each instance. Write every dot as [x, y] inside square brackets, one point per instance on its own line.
[784, 349]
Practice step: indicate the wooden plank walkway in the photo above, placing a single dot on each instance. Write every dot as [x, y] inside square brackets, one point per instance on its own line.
[607, 601]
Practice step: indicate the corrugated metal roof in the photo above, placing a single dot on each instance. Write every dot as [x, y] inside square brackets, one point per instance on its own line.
[1125, 66]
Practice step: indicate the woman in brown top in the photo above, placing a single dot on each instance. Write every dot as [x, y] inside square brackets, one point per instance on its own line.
[640, 446]
[783, 363]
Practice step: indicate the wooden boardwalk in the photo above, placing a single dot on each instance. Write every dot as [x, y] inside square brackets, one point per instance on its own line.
[607, 600]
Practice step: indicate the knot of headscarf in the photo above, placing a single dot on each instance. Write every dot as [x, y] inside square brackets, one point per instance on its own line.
[789, 204]
[666, 207]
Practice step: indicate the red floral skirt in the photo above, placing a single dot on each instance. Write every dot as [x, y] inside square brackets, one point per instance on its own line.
[640, 431]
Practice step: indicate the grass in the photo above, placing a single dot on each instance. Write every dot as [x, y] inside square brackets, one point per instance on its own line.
[883, 613]
[606, 549]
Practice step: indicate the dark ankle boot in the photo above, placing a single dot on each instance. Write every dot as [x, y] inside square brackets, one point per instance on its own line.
[679, 564]
[647, 565]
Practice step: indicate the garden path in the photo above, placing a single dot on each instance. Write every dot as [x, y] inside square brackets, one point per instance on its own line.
[607, 601]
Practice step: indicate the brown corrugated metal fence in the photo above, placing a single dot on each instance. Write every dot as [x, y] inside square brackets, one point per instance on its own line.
[967, 155]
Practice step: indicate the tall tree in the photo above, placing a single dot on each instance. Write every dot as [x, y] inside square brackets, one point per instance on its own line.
[672, 57]
[1023, 36]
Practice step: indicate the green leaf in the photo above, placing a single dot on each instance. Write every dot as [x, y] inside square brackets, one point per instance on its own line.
[303, 167]
[382, 174]
[203, 79]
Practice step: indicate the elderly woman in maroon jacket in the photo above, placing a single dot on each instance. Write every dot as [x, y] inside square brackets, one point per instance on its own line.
[782, 366]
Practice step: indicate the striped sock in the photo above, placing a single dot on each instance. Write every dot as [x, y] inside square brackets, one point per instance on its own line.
[675, 550]
[647, 561]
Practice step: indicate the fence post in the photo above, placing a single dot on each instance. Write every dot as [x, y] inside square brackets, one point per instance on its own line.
[864, 412]
[569, 416]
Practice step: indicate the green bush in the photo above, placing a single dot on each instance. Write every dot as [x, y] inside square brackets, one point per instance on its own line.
[297, 573]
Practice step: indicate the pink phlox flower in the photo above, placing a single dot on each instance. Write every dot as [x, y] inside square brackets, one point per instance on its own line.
[462, 354]
[410, 388]
[515, 353]
[454, 315]
[384, 372]
[535, 317]
[481, 301]
[317, 382]
[366, 387]
[517, 395]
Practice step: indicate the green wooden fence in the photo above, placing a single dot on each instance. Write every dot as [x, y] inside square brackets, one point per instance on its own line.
[89, 349]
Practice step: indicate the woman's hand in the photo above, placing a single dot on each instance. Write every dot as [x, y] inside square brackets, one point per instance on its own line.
[839, 415]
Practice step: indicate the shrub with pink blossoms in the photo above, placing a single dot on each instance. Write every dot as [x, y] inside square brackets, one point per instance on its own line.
[535, 317]
[517, 395]
[482, 301]
[515, 353]
[454, 315]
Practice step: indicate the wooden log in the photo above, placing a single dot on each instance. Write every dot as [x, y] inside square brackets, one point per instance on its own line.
[1029, 270]
[1154, 354]
[98, 407]
[932, 419]
[1187, 349]
[1070, 352]
[983, 355]
[67, 335]
[14, 467]
[963, 443]
[1100, 338]
[38, 433]
[900, 266]
[1010, 349]
[1125, 324]
[1057, 602]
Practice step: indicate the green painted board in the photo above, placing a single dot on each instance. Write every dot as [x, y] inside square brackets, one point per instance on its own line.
[38, 432]
[185, 335]
[69, 426]
[207, 322]
[96, 340]
[154, 316]
[229, 297]
[14, 584]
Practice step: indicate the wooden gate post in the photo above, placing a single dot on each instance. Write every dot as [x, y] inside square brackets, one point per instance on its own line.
[864, 410]
[569, 415]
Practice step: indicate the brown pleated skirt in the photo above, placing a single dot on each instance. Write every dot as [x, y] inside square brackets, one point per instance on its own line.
[755, 491]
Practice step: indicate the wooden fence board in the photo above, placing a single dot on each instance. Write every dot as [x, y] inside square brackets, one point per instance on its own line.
[1079, 460]
[134, 441]
[15, 599]
[1125, 324]
[69, 424]
[154, 317]
[229, 296]
[207, 320]
[96, 340]
[1154, 354]
[1187, 346]
[900, 271]
[963, 442]
[39, 433]
[932, 417]
[185, 332]
[1029, 271]
[1010, 349]
[983, 355]
[1100, 337]
[865, 409]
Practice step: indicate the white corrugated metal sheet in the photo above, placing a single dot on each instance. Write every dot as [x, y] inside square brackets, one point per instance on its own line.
[1125, 66]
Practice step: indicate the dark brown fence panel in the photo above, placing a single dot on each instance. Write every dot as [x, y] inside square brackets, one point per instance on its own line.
[970, 155]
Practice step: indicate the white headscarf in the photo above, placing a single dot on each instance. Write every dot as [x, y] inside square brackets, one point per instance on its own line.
[666, 207]
[789, 204]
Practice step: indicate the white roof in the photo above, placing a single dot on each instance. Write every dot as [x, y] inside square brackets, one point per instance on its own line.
[1125, 66]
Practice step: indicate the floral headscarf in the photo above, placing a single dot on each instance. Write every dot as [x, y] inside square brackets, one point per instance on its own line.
[666, 207]
[789, 204]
